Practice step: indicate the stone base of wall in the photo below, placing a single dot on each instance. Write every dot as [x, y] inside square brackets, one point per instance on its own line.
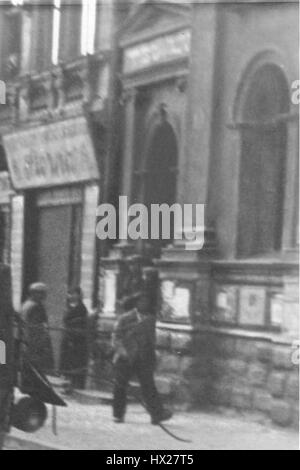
[199, 368]
[243, 371]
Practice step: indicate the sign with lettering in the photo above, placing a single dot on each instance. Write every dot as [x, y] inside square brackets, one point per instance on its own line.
[55, 154]
[225, 310]
[161, 50]
[253, 303]
[5, 188]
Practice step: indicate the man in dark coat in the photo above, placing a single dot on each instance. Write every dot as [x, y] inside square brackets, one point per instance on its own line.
[134, 346]
[36, 334]
[74, 356]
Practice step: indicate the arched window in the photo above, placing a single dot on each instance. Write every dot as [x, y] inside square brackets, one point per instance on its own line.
[262, 165]
[160, 175]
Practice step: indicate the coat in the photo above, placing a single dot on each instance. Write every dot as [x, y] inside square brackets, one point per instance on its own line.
[37, 337]
[74, 352]
[134, 339]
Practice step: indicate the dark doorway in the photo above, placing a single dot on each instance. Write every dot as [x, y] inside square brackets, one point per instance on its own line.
[52, 248]
[160, 183]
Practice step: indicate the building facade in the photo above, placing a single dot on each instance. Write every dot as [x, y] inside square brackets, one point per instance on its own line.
[208, 119]
[57, 61]
[161, 102]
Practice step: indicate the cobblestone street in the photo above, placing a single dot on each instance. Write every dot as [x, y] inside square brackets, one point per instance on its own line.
[84, 427]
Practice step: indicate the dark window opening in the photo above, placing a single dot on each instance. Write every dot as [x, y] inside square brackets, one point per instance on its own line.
[42, 41]
[160, 178]
[262, 171]
[70, 30]
[3, 163]
[11, 49]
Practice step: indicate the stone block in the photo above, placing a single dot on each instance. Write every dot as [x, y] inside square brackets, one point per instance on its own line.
[219, 368]
[201, 367]
[281, 413]
[282, 358]
[221, 395]
[257, 374]
[168, 363]
[225, 347]
[246, 350]
[163, 339]
[181, 342]
[295, 419]
[183, 393]
[200, 392]
[242, 397]
[264, 352]
[204, 345]
[236, 367]
[292, 387]
[276, 385]
[187, 366]
[262, 401]
[164, 385]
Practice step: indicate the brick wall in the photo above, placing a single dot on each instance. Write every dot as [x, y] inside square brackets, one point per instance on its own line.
[247, 372]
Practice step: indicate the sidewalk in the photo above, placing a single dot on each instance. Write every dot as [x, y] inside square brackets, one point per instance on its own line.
[90, 427]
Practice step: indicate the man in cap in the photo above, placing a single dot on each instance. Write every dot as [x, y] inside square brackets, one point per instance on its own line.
[134, 346]
[37, 338]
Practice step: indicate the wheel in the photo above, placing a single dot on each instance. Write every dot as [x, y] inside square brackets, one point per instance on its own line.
[29, 415]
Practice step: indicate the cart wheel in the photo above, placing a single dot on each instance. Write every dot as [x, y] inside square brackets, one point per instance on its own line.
[29, 415]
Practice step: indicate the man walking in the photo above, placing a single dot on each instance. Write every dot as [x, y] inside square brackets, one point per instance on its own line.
[134, 345]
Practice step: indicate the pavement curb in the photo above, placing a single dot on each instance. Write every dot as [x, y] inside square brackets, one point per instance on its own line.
[30, 444]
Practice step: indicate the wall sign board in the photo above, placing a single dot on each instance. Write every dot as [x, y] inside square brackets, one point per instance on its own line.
[56, 154]
[158, 51]
[252, 306]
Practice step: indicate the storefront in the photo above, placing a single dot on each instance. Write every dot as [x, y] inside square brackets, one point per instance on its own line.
[54, 171]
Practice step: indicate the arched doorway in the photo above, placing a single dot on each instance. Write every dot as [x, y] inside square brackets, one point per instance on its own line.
[262, 166]
[160, 175]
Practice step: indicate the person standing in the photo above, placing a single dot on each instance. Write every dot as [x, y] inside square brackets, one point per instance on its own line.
[36, 329]
[134, 354]
[74, 356]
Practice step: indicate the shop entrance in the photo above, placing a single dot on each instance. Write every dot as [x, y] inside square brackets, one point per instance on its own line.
[53, 257]
[55, 247]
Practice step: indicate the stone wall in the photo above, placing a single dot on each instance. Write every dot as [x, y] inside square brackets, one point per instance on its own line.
[246, 371]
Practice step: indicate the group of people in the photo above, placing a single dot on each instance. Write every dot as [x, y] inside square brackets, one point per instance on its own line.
[37, 335]
[133, 346]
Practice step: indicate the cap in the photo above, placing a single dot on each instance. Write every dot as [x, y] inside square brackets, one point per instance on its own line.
[38, 287]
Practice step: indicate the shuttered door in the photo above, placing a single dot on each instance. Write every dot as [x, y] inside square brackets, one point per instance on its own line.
[54, 228]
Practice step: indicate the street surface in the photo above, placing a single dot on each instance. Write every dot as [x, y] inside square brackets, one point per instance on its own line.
[90, 427]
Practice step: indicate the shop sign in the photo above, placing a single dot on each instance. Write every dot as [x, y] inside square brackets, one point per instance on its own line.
[161, 50]
[55, 154]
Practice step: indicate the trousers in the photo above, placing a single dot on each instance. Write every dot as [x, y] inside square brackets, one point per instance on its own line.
[124, 372]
